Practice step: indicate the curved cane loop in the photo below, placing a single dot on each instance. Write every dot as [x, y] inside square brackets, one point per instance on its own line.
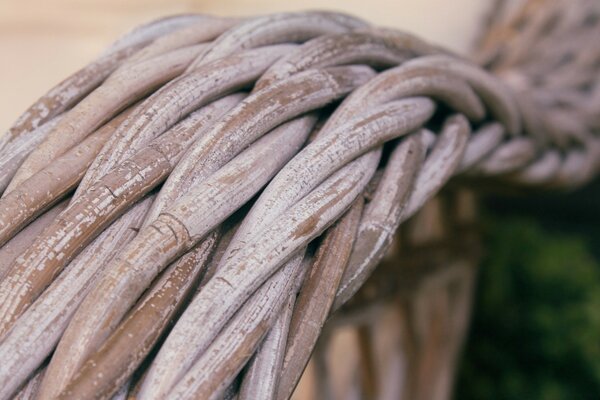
[182, 217]
[278, 29]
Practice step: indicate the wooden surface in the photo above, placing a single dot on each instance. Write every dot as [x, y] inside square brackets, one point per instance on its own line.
[43, 41]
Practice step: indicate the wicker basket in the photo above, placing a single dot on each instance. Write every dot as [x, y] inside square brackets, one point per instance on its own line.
[203, 206]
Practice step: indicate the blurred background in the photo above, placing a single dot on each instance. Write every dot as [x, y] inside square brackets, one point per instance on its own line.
[536, 323]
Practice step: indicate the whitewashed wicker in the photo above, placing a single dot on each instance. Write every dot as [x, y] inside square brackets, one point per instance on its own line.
[181, 217]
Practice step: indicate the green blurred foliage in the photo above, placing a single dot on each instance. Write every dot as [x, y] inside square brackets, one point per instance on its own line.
[535, 332]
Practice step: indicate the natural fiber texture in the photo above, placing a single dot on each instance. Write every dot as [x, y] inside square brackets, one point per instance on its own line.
[237, 181]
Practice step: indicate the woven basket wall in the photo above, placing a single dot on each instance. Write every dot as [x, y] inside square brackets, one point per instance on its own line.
[213, 199]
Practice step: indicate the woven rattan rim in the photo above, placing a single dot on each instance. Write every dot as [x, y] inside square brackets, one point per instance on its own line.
[352, 128]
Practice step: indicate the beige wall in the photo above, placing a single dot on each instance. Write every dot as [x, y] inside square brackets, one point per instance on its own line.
[42, 41]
